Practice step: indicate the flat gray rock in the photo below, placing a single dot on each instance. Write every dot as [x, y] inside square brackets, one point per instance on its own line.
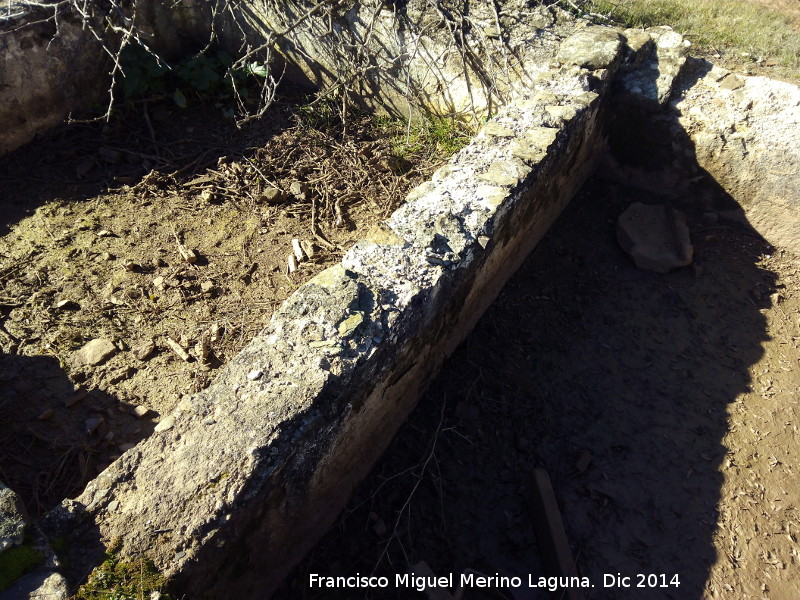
[593, 48]
[12, 519]
[39, 585]
[94, 352]
[655, 236]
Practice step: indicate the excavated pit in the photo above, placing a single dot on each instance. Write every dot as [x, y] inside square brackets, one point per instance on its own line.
[250, 472]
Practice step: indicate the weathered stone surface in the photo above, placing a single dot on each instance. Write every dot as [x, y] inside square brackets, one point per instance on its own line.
[424, 69]
[48, 74]
[12, 518]
[655, 236]
[42, 584]
[592, 48]
[43, 76]
[94, 353]
[652, 67]
[535, 143]
[144, 350]
[166, 424]
[506, 173]
[635, 42]
[494, 128]
[51, 63]
[747, 137]
[273, 195]
[258, 467]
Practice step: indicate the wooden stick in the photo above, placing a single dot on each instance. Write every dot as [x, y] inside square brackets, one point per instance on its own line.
[550, 535]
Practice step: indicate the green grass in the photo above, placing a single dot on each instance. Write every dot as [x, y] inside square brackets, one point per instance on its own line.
[431, 137]
[120, 580]
[725, 26]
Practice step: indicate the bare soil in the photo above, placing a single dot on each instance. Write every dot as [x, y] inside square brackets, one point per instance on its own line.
[663, 407]
[159, 234]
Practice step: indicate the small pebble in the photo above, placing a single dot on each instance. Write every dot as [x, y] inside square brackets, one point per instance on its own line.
[91, 425]
[166, 424]
[273, 195]
[77, 396]
[253, 375]
[94, 352]
[66, 305]
[144, 351]
[308, 248]
[141, 412]
[298, 189]
[120, 375]
[48, 414]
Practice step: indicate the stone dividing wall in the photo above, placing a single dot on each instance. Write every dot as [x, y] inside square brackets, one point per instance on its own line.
[247, 474]
[413, 56]
[745, 133]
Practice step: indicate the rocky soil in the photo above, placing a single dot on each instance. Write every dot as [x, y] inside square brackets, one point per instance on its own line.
[134, 262]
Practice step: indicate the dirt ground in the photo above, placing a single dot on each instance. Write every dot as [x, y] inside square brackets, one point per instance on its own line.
[166, 235]
[663, 407]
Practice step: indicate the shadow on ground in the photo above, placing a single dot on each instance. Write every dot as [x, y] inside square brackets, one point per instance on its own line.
[81, 160]
[53, 440]
[615, 380]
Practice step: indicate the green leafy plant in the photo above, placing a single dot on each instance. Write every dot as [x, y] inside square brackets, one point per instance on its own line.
[142, 72]
[210, 76]
[320, 112]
